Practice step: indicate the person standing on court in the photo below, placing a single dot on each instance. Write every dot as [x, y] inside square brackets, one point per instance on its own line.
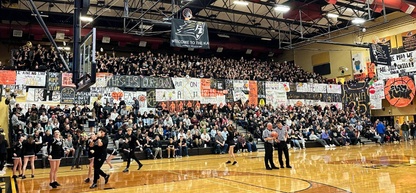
[268, 147]
[282, 145]
[100, 155]
[133, 143]
[55, 153]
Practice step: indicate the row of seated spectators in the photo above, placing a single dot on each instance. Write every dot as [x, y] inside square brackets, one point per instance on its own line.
[38, 58]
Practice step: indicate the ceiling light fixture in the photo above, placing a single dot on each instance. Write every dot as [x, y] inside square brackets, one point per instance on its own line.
[332, 15]
[244, 3]
[282, 8]
[266, 39]
[358, 21]
[86, 18]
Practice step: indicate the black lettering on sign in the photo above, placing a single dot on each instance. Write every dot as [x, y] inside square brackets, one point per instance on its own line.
[68, 95]
[157, 83]
[400, 91]
[82, 98]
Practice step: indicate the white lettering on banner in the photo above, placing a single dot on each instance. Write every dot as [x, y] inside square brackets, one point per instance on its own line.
[30, 78]
[334, 88]
[319, 88]
[401, 63]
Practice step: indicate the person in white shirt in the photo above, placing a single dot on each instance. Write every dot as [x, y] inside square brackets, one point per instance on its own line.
[205, 138]
[114, 115]
[186, 122]
[181, 133]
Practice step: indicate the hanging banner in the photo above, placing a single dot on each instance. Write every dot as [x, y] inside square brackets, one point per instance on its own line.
[7, 77]
[67, 80]
[156, 82]
[371, 70]
[334, 88]
[189, 34]
[376, 92]
[124, 81]
[241, 90]
[399, 91]
[53, 81]
[300, 95]
[358, 63]
[276, 98]
[228, 92]
[380, 54]
[167, 94]
[252, 95]
[83, 98]
[68, 95]
[402, 65]
[409, 40]
[279, 86]
[304, 87]
[140, 96]
[331, 97]
[319, 88]
[151, 98]
[355, 97]
[102, 79]
[30, 78]
[18, 90]
[189, 87]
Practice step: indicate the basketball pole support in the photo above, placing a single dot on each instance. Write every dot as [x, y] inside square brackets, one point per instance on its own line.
[46, 30]
[77, 34]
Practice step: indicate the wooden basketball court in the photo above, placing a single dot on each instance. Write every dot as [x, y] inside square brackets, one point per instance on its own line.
[370, 168]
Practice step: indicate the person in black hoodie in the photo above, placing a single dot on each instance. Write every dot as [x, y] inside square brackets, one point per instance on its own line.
[3, 152]
[133, 143]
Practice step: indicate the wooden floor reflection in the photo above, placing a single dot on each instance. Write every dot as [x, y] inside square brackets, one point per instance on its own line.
[369, 168]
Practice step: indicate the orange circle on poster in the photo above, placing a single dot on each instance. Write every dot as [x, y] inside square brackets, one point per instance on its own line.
[399, 91]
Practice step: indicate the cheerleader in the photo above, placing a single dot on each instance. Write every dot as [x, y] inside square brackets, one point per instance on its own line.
[90, 148]
[231, 144]
[29, 147]
[55, 153]
[17, 157]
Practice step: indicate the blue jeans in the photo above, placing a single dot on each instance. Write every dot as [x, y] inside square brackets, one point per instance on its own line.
[221, 148]
[406, 135]
[183, 148]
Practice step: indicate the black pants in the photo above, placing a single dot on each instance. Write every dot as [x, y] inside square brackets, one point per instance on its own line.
[132, 155]
[282, 148]
[2, 160]
[98, 162]
[268, 156]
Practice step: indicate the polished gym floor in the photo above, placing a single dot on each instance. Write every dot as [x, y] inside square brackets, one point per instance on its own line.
[369, 168]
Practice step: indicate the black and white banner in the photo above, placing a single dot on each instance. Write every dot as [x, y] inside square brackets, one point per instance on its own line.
[380, 54]
[402, 65]
[189, 34]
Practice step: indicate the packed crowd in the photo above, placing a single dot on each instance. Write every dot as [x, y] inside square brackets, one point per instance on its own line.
[39, 58]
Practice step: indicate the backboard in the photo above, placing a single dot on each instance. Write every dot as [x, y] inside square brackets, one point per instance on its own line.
[87, 64]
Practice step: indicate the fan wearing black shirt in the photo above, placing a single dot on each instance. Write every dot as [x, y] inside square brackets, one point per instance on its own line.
[100, 155]
[133, 143]
[55, 153]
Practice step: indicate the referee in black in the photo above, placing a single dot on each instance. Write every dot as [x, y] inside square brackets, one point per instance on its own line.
[268, 147]
[100, 155]
[282, 145]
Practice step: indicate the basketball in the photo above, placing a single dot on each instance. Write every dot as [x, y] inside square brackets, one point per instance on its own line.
[274, 134]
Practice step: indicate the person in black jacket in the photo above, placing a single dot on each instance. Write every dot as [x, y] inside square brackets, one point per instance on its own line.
[133, 143]
[100, 155]
[29, 147]
[78, 143]
[3, 152]
[157, 147]
[55, 153]
[90, 151]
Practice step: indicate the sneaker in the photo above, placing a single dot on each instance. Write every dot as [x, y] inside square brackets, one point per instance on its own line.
[93, 186]
[140, 166]
[106, 178]
[111, 169]
[228, 162]
[23, 177]
[235, 162]
[33, 176]
[87, 180]
[326, 146]
[53, 185]
[14, 176]
[126, 170]
[56, 183]
[288, 166]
